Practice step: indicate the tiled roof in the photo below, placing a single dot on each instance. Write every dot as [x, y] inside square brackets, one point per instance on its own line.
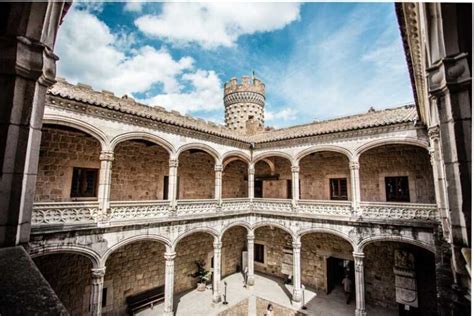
[84, 93]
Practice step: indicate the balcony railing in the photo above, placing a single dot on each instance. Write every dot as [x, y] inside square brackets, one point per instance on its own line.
[72, 213]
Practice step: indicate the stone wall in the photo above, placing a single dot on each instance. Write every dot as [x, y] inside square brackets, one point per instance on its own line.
[138, 171]
[234, 180]
[315, 171]
[196, 175]
[278, 310]
[62, 149]
[275, 240]
[396, 160]
[70, 277]
[234, 242]
[132, 269]
[274, 188]
[198, 246]
[315, 248]
[380, 278]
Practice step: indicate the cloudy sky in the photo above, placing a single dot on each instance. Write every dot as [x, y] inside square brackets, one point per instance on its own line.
[318, 60]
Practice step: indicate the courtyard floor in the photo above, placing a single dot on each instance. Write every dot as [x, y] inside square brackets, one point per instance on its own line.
[266, 287]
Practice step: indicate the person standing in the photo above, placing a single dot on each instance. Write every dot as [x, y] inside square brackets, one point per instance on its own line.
[347, 284]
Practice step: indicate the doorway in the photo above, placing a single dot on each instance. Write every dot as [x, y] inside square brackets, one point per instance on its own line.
[336, 270]
[258, 188]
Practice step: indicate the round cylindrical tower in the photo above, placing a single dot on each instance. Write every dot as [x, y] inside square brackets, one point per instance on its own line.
[244, 104]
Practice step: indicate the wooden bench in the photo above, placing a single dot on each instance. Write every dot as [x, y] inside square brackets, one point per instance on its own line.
[145, 299]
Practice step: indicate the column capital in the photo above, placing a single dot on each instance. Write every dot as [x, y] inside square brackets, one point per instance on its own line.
[296, 245]
[354, 165]
[251, 170]
[250, 236]
[217, 245]
[169, 256]
[358, 255]
[295, 169]
[173, 163]
[218, 168]
[98, 273]
[433, 132]
[106, 155]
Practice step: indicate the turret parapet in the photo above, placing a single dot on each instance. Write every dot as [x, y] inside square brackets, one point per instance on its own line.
[244, 103]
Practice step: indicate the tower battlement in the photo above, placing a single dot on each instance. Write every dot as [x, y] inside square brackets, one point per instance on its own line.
[244, 103]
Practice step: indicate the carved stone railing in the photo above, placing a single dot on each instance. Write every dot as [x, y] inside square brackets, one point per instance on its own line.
[196, 207]
[272, 205]
[51, 213]
[325, 208]
[130, 210]
[236, 205]
[402, 211]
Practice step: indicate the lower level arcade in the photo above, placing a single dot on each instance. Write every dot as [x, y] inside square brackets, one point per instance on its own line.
[390, 270]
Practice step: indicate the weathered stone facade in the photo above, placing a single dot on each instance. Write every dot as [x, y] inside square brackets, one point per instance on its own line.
[196, 175]
[274, 240]
[234, 242]
[234, 180]
[61, 150]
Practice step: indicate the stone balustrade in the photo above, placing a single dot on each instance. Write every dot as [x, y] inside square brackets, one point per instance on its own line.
[72, 213]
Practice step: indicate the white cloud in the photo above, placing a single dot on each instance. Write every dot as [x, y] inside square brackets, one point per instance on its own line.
[133, 6]
[286, 114]
[216, 24]
[205, 95]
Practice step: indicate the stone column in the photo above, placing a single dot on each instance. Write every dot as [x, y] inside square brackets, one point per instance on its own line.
[218, 183]
[169, 282]
[355, 185]
[105, 179]
[173, 182]
[295, 182]
[27, 69]
[250, 260]
[359, 283]
[96, 291]
[216, 273]
[297, 293]
[251, 177]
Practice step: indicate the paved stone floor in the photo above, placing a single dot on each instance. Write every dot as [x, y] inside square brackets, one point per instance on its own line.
[196, 303]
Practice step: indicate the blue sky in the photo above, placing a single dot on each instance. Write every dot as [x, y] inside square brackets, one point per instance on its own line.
[318, 60]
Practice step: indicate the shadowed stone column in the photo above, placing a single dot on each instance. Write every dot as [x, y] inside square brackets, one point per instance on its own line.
[96, 290]
[169, 282]
[216, 273]
[359, 283]
[173, 182]
[295, 182]
[218, 189]
[250, 260]
[106, 158]
[297, 294]
[355, 185]
[251, 177]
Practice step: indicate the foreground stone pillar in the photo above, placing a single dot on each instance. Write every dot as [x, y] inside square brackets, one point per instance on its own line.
[355, 185]
[359, 283]
[216, 273]
[105, 179]
[297, 292]
[96, 291]
[250, 260]
[218, 184]
[169, 282]
[27, 69]
[251, 179]
[173, 182]
[295, 182]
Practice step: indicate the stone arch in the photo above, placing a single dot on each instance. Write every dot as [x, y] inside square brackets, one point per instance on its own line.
[391, 238]
[246, 225]
[210, 231]
[320, 148]
[82, 126]
[389, 141]
[237, 154]
[145, 136]
[133, 239]
[206, 148]
[329, 231]
[268, 154]
[93, 256]
[294, 237]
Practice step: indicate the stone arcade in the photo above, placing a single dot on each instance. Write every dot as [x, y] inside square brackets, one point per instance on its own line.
[128, 196]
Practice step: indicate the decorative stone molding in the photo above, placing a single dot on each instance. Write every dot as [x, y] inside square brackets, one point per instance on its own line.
[106, 156]
[353, 165]
[130, 210]
[409, 211]
[173, 163]
[218, 168]
[244, 97]
[64, 213]
[295, 169]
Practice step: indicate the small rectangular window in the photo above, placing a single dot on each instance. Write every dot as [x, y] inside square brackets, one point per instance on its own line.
[396, 189]
[165, 187]
[104, 297]
[259, 251]
[84, 182]
[338, 188]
